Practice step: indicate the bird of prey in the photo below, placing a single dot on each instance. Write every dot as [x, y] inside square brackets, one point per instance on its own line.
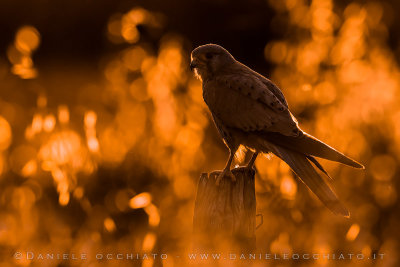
[249, 109]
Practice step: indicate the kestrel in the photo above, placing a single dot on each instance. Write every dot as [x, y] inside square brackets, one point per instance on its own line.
[249, 109]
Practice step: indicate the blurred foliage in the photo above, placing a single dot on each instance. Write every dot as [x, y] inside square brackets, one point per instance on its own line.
[112, 165]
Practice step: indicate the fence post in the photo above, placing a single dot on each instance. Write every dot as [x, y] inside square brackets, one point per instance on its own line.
[225, 215]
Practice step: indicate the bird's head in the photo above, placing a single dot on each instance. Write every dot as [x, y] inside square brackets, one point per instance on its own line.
[209, 59]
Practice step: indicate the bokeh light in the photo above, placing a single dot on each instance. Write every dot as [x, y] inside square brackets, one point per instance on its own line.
[107, 157]
[27, 40]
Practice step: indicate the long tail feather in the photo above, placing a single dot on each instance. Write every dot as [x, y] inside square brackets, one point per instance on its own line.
[309, 145]
[301, 165]
[303, 168]
[318, 165]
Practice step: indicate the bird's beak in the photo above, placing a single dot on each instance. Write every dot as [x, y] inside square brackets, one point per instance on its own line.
[193, 64]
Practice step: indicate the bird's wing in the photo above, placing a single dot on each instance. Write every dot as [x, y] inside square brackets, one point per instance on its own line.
[243, 101]
[269, 84]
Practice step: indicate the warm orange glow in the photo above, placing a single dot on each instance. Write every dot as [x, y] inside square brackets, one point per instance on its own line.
[241, 153]
[133, 58]
[149, 242]
[37, 123]
[138, 90]
[109, 224]
[124, 132]
[114, 27]
[30, 168]
[79, 192]
[13, 55]
[24, 69]
[385, 194]
[63, 114]
[63, 156]
[27, 39]
[325, 92]
[140, 201]
[47, 165]
[121, 200]
[62, 147]
[137, 15]
[130, 33]
[148, 262]
[183, 187]
[63, 186]
[276, 52]
[133, 120]
[93, 144]
[353, 232]
[153, 213]
[1, 164]
[41, 101]
[383, 167]
[64, 199]
[49, 123]
[366, 250]
[5, 134]
[288, 187]
[281, 244]
[22, 160]
[90, 119]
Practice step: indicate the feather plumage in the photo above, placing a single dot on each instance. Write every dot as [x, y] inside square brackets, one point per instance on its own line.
[251, 110]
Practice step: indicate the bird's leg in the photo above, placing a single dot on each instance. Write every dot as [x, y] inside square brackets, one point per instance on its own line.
[227, 170]
[252, 160]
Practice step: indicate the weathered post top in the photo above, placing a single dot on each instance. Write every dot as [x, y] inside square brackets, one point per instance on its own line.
[225, 215]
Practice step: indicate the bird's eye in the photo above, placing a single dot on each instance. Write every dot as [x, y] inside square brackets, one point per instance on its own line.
[209, 56]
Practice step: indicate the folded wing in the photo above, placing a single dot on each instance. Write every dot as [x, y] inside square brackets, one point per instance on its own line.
[246, 103]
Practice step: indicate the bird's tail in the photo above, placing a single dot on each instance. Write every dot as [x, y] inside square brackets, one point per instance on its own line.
[301, 165]
[309, 145]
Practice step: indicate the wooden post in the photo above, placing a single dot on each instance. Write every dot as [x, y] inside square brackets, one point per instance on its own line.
[225, 215]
